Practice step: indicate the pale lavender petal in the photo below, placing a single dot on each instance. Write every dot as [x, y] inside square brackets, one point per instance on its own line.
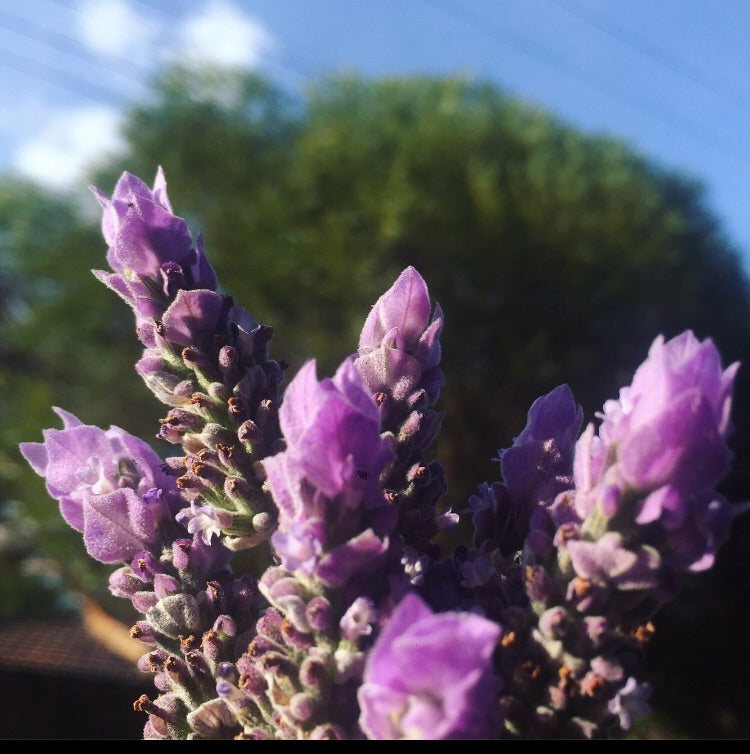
[406, 306]
[192, 317]
[358, 554]
[107, 528]
[429, 676]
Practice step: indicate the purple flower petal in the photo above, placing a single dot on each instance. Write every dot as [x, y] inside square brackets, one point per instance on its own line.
[405, 307]
[429, 676]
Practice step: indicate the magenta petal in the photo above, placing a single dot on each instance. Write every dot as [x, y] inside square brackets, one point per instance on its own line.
[36, 455]
[389, 370]
[192, 317]
[600, 560]
[681, 447]
[348, 383]
[160, 190]
[429, 676]
[301, 402]
[107, 529]
[428, 349]
[72, 511]
[405, 305]
[69, 420]
[358, 554]
[283, 483]
[608, 562]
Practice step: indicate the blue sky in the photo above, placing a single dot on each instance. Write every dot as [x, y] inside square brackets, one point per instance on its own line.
[670, 77]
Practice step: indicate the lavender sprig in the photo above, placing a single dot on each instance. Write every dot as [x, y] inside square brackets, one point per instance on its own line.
[608, 526]
[204, 357]
[358, 627]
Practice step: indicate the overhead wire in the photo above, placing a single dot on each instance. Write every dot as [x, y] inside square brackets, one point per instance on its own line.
[85, 80]
[660, 55]
[81, 84]
[582, 75]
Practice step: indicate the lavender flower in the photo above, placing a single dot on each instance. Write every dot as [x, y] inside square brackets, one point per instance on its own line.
[607, 541]
[109, 485]
[535, 469]
[332, 513]
[399, 347]
[399, 360]
[353, 625]
[204, 357]
[150, 249]
[430, 676]
[660, 451]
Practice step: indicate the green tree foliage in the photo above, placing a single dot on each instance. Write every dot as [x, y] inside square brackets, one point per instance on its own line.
[556, 256]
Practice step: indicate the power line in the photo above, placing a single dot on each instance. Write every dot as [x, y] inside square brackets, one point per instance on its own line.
[85, 81]
[658, 55]
[50, 75]
[579, 74]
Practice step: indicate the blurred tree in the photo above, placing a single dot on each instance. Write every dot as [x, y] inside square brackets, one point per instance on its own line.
[555, 255]
[65, 342]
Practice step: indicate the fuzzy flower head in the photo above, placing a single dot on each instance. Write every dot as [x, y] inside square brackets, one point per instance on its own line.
[151, 251]
[109, 485]
[671, 423]
[535, 469]
[399, 347]
[429, 676]
[661, 449]
[325, 483]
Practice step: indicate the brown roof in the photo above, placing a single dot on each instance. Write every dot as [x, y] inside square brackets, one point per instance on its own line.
[92, 645]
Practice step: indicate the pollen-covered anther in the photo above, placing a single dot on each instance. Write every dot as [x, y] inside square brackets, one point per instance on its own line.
[508, 639]
[143, 704]
[566, 532]
[582, 587]
[592, 685]
[530, 669]
[188, 642]
[643, 633]
[234, 406]
[214, 590]
[223, 448]
[210, 636]
[201, 400]
[155, 662]
[192, 356]
[197, 661]
[567, 684]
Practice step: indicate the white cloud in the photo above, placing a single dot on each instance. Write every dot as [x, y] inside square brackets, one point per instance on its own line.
[222, 34]
[111, 28]
[71, 140]
[58, 152]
